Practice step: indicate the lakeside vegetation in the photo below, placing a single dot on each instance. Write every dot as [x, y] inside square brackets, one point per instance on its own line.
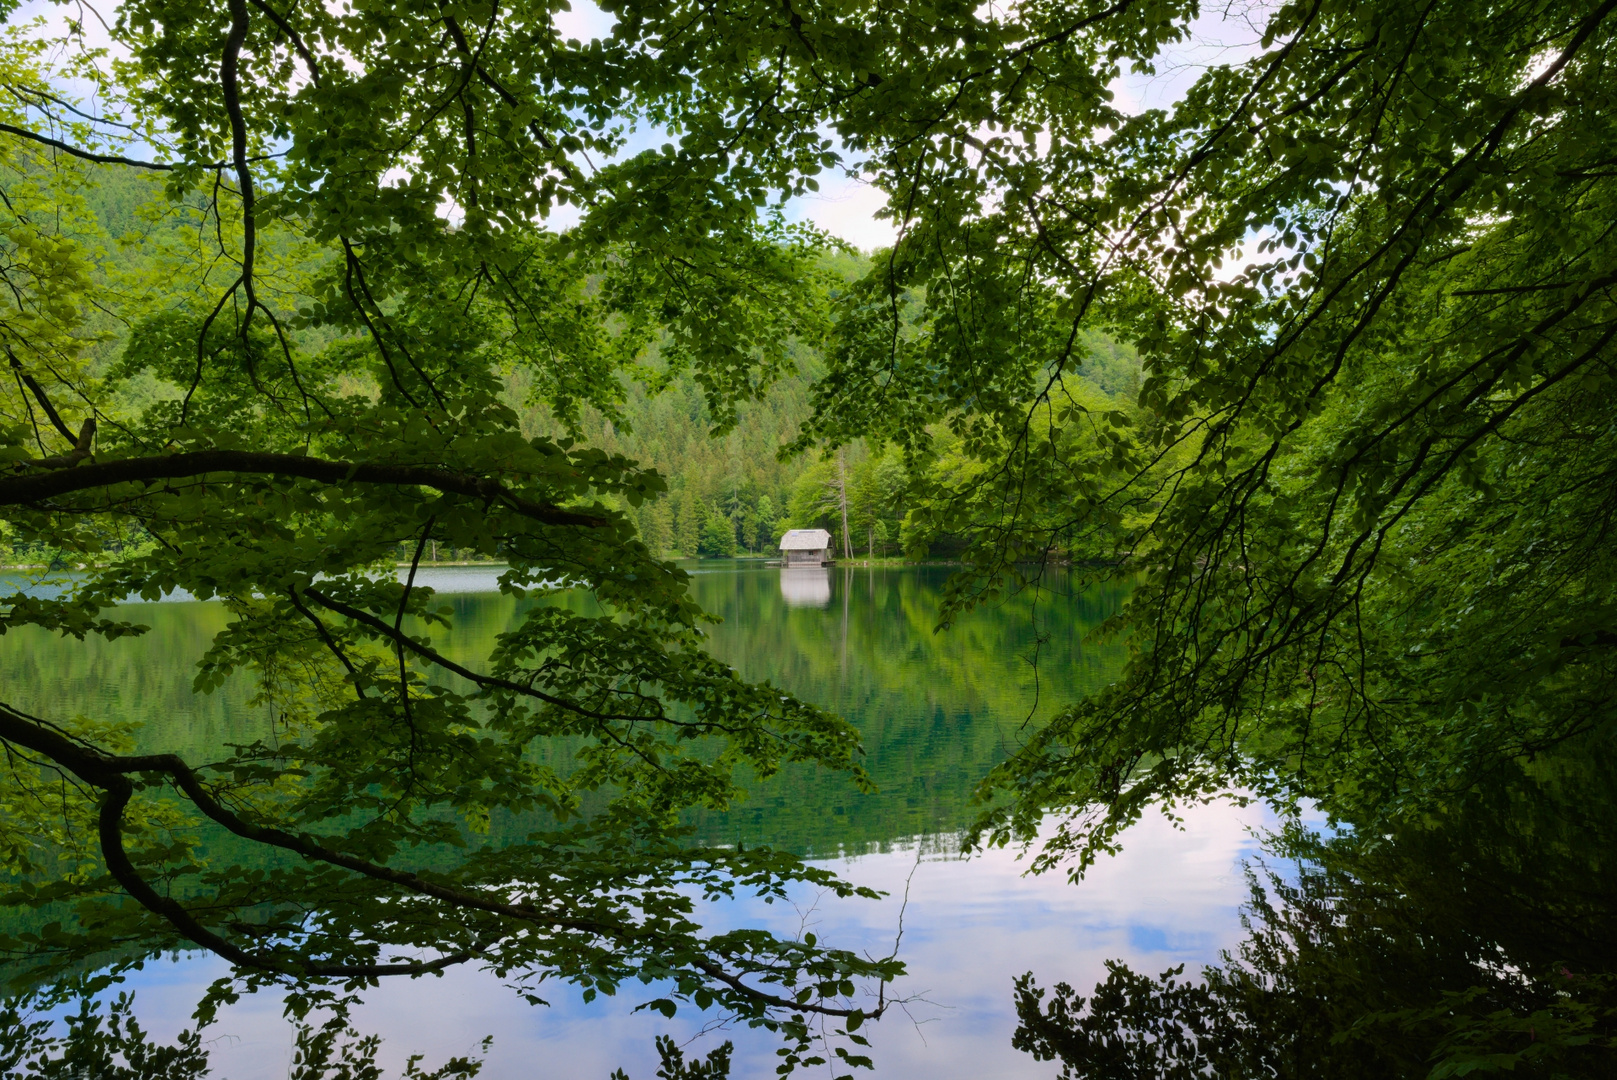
[1317, 361]
[729, 492]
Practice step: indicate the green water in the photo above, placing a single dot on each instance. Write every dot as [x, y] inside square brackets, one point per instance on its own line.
[936, 710]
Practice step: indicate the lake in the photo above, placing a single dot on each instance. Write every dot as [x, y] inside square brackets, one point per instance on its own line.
[937, 710]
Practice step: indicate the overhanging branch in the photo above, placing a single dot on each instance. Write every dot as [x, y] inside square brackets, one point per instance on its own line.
[86, 155]
[33, 488]
[110, 773]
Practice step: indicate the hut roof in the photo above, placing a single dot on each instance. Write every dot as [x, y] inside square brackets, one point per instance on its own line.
[805, 540]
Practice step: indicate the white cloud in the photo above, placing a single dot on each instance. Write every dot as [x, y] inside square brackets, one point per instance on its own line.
[846, 208]
[970, 927]
[584, 21]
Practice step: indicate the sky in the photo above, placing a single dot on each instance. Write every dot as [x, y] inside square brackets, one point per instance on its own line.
[970, 927]
[846, 206]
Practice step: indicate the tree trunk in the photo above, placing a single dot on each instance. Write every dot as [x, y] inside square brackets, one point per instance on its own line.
[842, 497]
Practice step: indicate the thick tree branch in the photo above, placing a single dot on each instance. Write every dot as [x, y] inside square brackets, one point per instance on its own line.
[110, 830]
[80, 451]
[85, 155]
[33, 488]
[111, 773]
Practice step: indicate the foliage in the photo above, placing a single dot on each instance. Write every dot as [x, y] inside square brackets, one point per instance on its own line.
[671, 430]
[718, 537]
[334, 1051]
[1131, 1027]
[715, 1066]
[108, 1044]
[321, 325]
[1366, 483]
[111, 1045]
[1476, 942]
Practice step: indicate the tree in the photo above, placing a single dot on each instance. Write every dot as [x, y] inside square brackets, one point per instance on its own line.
[767, 518]
[306, 372]
[881, 487]
[718, 536]
[690, 522]
[658, 527]
[841, 483]
[1366, 487]
[814, 502]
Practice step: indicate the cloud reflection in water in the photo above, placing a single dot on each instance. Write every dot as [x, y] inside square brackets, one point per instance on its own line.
[971, 926]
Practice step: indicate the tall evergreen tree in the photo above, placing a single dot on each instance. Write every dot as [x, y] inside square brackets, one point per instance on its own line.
[690, 520]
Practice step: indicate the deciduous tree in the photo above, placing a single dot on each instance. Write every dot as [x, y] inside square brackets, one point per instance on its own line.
[310, 378]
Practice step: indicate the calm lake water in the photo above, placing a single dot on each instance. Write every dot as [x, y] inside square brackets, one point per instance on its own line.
[937, 711]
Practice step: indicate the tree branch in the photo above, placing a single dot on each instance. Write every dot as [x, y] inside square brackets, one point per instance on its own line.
[110, 773]
[292, 36]
[230, 80]
[39, 393]
[110, 834]
[403, 641]
[85, 155]
[36, 487]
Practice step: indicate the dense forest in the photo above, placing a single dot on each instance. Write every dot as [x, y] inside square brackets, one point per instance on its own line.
[738, 492]
[731, 492]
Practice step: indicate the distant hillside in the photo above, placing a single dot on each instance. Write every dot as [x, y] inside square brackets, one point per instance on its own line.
[732, 494]
[727, 495]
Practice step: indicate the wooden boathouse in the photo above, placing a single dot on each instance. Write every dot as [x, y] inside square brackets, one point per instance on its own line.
[805, 547]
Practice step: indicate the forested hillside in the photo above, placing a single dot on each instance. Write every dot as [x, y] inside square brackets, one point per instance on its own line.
[733, 494]
[726, 495]
[736, 493]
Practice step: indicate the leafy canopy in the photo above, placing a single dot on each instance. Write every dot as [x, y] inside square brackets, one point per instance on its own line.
[294, 369]
[1365, 490]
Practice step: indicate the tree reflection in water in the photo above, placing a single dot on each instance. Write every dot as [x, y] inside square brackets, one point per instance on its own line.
[1481, 940]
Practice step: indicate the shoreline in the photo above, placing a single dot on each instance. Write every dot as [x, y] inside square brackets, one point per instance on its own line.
[463, 563]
